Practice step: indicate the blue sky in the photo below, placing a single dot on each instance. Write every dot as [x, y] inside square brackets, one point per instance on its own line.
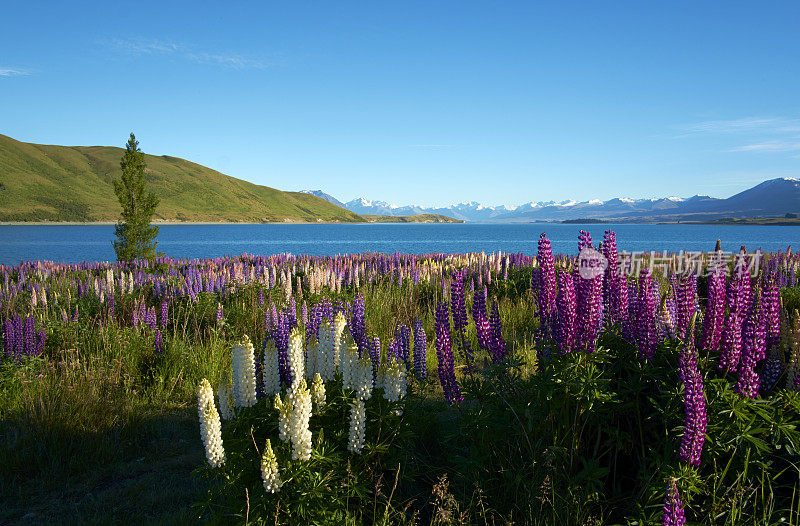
[422, 102]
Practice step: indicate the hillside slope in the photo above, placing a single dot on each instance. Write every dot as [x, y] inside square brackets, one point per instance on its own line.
[74, 183]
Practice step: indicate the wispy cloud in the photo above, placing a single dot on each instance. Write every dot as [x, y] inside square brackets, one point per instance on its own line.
[13, 72]
[754, 134]
[141, 47]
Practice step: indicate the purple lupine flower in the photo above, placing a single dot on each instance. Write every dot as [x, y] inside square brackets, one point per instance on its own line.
[484, 331]
[41, 341]
[159, 345]
[673, 514]
[420, 350]
[304, 313]
[261, 297]
[584, 240]
[403, 336]
[479, 305]
[754, 337]
[8, 337]
[694, 403]
[274, 314]
[713, 322]
[646, 325]
[567, 311]
[457, 304]
[374, 349]
[280, 336]
[393, 352]
[291, 313]
[29, 335]
[111, 308]
[773, 368]
[358, 326]
[164, 313]
[546, 288]
[589, 314]
[444, 354]
[496, 343]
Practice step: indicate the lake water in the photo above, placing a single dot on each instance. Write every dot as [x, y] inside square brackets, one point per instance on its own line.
[74, 243]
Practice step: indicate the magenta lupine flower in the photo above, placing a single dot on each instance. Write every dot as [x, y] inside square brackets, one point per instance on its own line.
[567, 311]
[496, 343]
[646, 324]
[771, 301]
[584, 240]
[694, 404]
[546, 288]
[673, 514]
[420, 350]
[713, 322]
[444, 354]
[612, 306]
[686, 300]
[589, 315]
[731, 347]
[484, 332]
[754, 338]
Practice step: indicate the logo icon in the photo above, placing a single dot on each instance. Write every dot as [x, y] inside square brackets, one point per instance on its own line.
[591, 263]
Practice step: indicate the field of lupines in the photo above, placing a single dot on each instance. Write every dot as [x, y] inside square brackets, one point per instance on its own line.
[428, 389]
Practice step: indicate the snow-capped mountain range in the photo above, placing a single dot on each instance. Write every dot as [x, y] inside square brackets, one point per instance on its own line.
[774, 197]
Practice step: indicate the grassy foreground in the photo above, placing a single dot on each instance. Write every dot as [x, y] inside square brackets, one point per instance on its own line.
[100, 424]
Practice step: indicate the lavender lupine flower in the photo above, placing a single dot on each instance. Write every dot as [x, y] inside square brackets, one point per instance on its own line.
[567, 311]
[546, 288]
[754, 337]
[111, 309]
[261, 298]
[673, 514]
[713, 321]
[304, 314]
[694, 403]
[219, 315]
[646, 325]
[444, 354]
[164, 313]
[496, 343]
[420, 350]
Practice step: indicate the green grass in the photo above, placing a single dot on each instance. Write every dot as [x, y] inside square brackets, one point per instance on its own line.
[419, 218]
[74, 183]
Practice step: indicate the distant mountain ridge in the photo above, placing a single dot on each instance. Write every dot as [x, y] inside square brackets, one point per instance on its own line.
[771, 198]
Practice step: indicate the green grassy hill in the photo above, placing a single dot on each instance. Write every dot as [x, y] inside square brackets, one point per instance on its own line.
[419, 218]
[74, 183]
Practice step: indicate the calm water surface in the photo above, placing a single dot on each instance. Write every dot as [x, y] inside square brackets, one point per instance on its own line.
[74, 243]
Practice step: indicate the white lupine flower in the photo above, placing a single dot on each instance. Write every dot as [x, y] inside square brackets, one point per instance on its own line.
[347, 362]
[318, 392]
[269, 470]
[363, 378]
[312, 358]
[244, 374]
[326, 350]
[225, 398]
[394, 383]
[296, 358]
[339, 326]
[358, 423]
[298, 425]
[210, 426]
[270, 371]
[284, 408]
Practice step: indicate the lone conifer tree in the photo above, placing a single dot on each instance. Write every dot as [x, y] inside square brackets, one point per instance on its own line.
[136, 237]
